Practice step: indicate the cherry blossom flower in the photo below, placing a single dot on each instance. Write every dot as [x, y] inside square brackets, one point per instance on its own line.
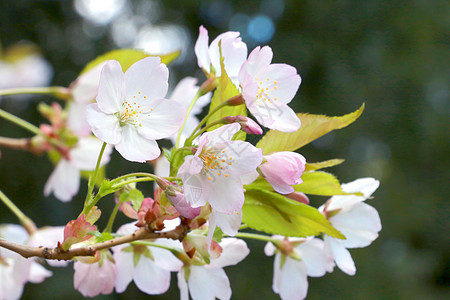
[283, 169]
[183, 93]
[16, 271]
[234, 53]
[148, 267]
[92, 279]
[48, 237]
[64, 181]
[84, 91]
[213, 173]
[268, 88]
[210, 281]
[131, 112]
[296, 259]
[358, 221]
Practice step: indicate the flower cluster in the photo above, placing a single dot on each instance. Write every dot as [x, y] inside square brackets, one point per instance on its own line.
[212, 188]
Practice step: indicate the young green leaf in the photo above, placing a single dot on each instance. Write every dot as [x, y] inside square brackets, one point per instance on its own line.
[321, 183]
[323, 164]
[275, 214]
[224, 91]
[127, 57]
[313, 127]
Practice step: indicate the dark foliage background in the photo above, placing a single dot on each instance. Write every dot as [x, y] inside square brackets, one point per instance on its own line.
[392, 55]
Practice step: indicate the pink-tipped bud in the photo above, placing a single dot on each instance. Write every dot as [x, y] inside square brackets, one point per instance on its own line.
[236, 100]
[247, 124]
[209, 85]
[176, 196]
[299, 197]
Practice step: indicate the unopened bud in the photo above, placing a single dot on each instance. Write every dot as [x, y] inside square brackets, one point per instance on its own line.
[299, 197]
[209, 85]
[236, 100]
[247, 124]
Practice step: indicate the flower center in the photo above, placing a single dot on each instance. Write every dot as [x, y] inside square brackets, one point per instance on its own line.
[265, 88]
[131, 114]
[215, 162]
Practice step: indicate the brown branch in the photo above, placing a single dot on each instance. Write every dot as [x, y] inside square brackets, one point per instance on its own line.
[20, 144]
[58, 254]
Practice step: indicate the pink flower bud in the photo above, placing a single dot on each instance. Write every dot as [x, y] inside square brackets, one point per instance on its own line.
[247, 124]
[299, 197]
[236, 100]
[177, 198]
[76, 231]
[282, 170]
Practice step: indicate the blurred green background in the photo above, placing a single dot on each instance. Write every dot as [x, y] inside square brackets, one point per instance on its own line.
[392, 55]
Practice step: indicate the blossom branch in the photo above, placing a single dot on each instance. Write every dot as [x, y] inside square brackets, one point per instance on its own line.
[58, 254]
[19, 144]
[56, 91]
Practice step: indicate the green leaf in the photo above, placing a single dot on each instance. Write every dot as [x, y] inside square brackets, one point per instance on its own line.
[127, 57]
[323, 164]
[134, 196]
[275, 214]
[224, 91]
[313, 127]
[322, 184]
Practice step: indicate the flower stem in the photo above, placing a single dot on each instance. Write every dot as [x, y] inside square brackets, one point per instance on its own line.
[89, 203]
[118, 179]
[56, 91]
[203, 121]
[26, 221]
[112, 217]
[18, 121]
[255, 236]
[199, 93]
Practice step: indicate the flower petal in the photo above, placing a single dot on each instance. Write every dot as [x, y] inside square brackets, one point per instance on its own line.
[283, 82]
[85, 155]
[104, 126]
[209, 283]
[228, 193]
[64, 181]
[125, 265]
[234, 251]
[150, 278]
[316, 259]
[292, 282]
[183, 285]
[165, 119]
[201, 50]
[111, 88]
[134, 147]
[341, 255]
[147, 77]
[243, 156]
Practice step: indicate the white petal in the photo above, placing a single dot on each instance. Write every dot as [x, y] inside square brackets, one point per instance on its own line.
[182, 285]
[163, 258]
[105, 126]
[111, 88]
[76, 119]
[234, 251]
[273, 116]
[292, 283]
[209, 283]
[269, 249]
[234, 51]
[38, 273]
[194, 189]
[228, 223]
[360, 225]
[243, 156]
[134, 147]
[367, 186]
[227, 194]
[222, 134]
[165, 119]
[150, 278]
[287, 82]
[258, 62]
[84, 89]
[125, 266]
[10, 288]
[316, 259]
[147, 77]
[341, 256]
[64, 181]
[201, 50]
[85, 155]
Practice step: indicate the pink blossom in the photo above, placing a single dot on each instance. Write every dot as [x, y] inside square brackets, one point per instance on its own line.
[210, 281]
[234, 52]
[131, 112]
[268, 88]
[283, 169]
[213, 173]
[95, 278]
[247, 124]
[176, 196]
[296, 259]
[358, 221]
